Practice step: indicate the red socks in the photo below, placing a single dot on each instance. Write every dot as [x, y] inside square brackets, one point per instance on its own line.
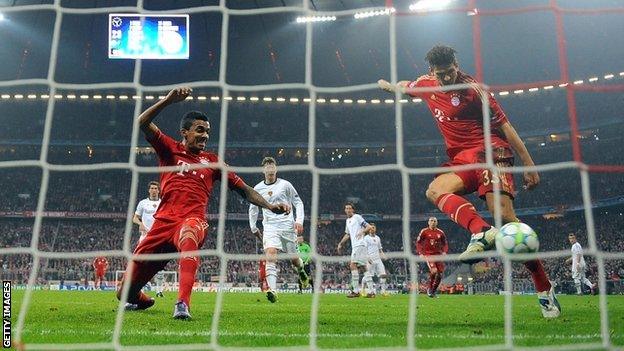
[540, 279]
[188, 268]
[436, 283]
[462, 212]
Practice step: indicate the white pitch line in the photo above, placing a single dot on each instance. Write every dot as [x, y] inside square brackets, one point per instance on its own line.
[188, 333]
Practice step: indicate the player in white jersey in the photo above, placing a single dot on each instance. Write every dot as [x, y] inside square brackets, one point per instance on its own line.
[144, 214]
[375, 265]
[355, 229]
[279, 231]
[160, 283]
[144, 218]
[578, 266]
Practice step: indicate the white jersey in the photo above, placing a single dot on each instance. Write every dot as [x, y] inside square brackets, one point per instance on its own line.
[373, 245]
[577, 263]
[281, 191]
[146, 210]
[353, 226]
[160, 277]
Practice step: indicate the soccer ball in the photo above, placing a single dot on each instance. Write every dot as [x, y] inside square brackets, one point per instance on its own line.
[516, 237]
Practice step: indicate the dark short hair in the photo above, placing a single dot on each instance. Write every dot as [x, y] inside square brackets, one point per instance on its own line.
[441, 55]
[373, 224]
[268, 161]
[350, 204]
[153, 182]
[572, 234]
[187, 120]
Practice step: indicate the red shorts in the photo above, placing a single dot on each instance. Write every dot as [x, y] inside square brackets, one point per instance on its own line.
[164, 237]
[100, 274]
[437, 265]
[482, 180]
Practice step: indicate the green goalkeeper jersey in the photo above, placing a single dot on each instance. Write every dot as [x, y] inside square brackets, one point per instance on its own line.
[304, 252]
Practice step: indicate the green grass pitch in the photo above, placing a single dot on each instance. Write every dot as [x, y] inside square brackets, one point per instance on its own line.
[248, 320]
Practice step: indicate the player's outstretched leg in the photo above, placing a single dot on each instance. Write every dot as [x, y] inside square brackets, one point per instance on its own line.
[545, 290]
[142, 272]
[441, 192]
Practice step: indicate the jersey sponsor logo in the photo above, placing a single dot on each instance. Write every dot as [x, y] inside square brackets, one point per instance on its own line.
[455, 100]
[184, 167]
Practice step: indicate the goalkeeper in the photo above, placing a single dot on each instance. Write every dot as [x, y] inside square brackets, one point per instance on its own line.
[304, 250]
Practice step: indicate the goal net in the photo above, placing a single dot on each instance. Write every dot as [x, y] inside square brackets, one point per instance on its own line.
[323, 102]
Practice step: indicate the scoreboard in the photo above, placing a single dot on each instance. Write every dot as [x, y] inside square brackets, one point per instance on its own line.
[134, 36]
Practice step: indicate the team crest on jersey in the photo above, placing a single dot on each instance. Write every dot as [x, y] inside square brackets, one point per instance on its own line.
[455, 100]
[154, 205]
[203, 161]
[270, 193]
[433, 97]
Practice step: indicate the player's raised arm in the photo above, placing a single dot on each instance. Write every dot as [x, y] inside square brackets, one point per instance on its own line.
[146, 118]
[251, 195]
[531, 178]
[391, 88]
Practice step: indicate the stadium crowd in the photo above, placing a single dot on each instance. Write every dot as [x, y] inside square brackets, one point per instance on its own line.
[81, 235]
[369, 141]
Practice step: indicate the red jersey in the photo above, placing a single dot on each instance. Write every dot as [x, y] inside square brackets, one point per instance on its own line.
[186, 193]
[459, 114]
[431, 242]
[100, 263]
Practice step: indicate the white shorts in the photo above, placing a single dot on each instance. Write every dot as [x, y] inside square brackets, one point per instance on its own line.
[285, 241]
[359, 255]
[377, 268]
[579, 276]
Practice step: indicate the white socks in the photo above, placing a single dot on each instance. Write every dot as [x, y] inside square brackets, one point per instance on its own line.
[368, 280]
[355, 281]
[271, 275]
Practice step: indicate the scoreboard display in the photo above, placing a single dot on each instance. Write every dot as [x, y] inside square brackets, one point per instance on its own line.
[134, 36]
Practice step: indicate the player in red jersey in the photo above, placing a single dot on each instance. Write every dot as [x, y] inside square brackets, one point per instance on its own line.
[100, 265]
[180, 223]
[432, 241]
[458, 113]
